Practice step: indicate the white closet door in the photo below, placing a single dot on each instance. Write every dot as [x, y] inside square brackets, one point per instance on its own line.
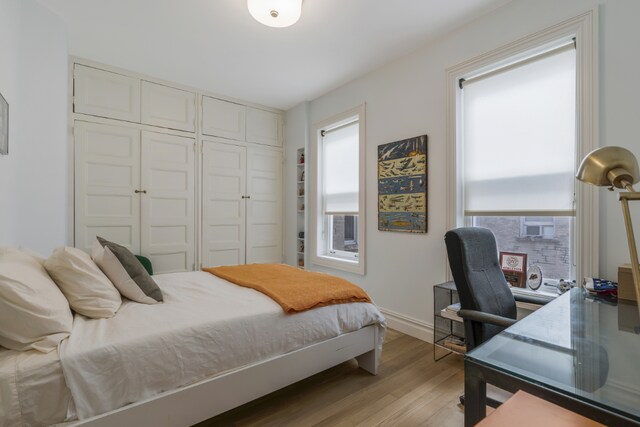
[168, 206]
[105, 94]
[264, 127]
[107, 173]
[223, 118]
[264, 206]
[168, 107]
[223, 204]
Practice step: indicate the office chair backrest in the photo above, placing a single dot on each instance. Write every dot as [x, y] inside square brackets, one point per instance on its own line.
[473, 259]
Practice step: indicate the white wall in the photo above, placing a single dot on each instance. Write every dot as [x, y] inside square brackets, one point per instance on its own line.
[33, 79]
[407, 98]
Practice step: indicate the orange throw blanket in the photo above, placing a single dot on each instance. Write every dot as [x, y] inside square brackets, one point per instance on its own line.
[295, 290]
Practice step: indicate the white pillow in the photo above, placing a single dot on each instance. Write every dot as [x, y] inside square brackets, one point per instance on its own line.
[34, 314]
[33, 253]
[88, 290]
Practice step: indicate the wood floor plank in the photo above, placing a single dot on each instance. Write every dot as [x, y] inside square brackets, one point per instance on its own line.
[410, 390]
[407, 352]
[423, 396]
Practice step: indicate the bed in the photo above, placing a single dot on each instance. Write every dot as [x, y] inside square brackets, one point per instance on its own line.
[210, 347]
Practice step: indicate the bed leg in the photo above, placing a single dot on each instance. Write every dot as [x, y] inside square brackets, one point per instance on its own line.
[369, 361]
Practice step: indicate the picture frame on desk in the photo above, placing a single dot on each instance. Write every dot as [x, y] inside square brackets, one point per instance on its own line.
[514, 268]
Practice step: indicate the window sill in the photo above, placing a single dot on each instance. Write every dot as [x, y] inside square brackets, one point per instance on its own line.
[337, 263]
[537, 239]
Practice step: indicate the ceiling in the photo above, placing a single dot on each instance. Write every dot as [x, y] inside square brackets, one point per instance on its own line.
[217, 46]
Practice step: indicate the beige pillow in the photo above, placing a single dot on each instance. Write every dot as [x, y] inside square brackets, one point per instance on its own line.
[33, 253]
[34, 314]
[88, 290]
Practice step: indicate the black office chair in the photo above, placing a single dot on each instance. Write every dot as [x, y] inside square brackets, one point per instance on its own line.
[487, 305]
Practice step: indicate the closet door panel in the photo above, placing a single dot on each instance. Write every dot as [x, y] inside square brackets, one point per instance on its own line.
[168, 206]
[107, 173]
[223, 118]
[264, 207]
[223, 216]
[105, 94]
[264, 127]
[168, 107]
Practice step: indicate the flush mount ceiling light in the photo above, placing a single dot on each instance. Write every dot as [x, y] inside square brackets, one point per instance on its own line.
[275, 13]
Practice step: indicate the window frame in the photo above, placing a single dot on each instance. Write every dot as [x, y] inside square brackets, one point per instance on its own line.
[584, 29]
[319, 223]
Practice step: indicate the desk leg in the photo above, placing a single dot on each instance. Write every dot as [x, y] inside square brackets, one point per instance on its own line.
[475, 395]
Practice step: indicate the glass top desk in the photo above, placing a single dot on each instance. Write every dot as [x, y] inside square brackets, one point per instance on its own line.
[577, 352]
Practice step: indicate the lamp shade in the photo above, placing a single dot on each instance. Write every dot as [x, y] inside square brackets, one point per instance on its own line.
[609, 166]
[275, 13]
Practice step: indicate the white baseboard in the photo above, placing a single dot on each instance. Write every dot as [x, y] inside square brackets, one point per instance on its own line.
[408, 325]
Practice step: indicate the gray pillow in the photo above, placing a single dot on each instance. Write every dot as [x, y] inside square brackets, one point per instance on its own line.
[125, 272]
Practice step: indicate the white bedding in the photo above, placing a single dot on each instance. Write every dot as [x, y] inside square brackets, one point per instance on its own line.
[205, 326]
[32, 389]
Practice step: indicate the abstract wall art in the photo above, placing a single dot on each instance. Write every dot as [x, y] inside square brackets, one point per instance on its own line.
[402, 185]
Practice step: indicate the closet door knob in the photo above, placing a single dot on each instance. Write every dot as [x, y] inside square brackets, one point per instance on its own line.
[141, 191]
[246, 197]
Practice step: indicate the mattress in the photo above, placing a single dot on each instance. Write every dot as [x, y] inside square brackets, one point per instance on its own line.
[205, 326]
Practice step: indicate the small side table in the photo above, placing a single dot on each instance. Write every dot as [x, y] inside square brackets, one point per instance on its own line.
[448, 329]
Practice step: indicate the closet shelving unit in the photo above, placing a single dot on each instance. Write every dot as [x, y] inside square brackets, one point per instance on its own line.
[300, 206]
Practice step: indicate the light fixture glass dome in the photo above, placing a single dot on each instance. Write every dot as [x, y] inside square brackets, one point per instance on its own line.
[275, 13]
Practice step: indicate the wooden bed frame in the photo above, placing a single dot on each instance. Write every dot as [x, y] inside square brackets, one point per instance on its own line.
[205, 399]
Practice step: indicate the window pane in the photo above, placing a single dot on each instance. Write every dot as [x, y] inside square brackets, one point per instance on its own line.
[549, 247]
[532, 230]
[349, 228]
[344, 233]
[519, 138]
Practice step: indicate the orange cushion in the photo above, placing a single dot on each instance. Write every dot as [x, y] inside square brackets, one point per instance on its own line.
[525, 410]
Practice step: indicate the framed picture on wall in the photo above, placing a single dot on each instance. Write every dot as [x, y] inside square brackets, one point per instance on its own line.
[4, 126]
[514, 268]
[402, 185]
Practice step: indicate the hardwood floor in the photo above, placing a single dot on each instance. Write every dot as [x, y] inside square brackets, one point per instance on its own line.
[410, 390]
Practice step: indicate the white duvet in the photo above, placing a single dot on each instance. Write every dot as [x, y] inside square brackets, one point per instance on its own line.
[204, 327]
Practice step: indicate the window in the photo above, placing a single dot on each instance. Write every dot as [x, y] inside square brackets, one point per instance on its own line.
[538, 226]
[548, 243]
[337, 211]
[345, 233]
[519, 118]
[351, 230]
[519, 155]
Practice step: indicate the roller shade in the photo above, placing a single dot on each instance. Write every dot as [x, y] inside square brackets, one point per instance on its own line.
[519, 140]
[340, 174]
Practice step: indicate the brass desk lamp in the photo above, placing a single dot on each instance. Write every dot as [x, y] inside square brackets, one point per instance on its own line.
[616, 167]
